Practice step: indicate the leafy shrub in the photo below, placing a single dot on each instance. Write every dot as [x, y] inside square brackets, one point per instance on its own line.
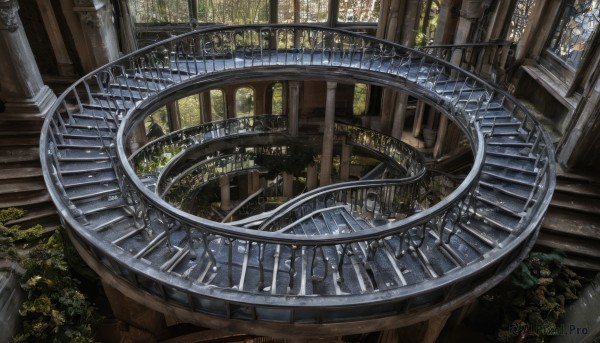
[55, 309]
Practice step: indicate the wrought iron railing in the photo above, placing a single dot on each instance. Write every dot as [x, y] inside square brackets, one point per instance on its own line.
[121, 94]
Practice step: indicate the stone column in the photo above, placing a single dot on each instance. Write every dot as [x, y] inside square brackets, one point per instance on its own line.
[225, 193]
[294, 101]
[311, 177]
[345, 161]
[469, 12]
[400, 115]
[173, 114]
[98, 28]
[253, 182]
[205, 110]
[22, 88]
[288, 185]
[65, 66]
[328, 125]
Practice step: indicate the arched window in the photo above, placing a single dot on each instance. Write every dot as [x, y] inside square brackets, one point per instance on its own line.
[359, 104]
[217, 104]
[574, 30]
[244, 102]
[157, 124]
[519, 19]
[363, 11]
[189, 110]
[277, 98]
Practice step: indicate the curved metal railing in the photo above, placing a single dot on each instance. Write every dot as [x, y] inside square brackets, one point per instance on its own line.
[119, 95]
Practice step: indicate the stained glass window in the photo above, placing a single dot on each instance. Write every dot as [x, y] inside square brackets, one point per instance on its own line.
[519, 19]
[575, 29]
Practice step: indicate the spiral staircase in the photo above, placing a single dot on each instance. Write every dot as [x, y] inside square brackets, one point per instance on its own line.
[347, 258]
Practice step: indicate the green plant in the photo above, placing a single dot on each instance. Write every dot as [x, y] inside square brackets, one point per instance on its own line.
[55, 309]
[13, 236]
[534, 297]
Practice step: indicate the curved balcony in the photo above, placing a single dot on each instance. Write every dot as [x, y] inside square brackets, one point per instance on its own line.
[345, 272]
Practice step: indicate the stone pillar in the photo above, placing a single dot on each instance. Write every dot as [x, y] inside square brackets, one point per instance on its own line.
[311, 177]
[441, 136]
[419, 112]
[345, 161]
[294, 101]
[469, 12]
[22, 88]
[98, 27]
[225, 193]
[328, 126]
[205, 110]
[173, 114]
[65, 66]
[400, 116]
[288, 185]
[253, 182]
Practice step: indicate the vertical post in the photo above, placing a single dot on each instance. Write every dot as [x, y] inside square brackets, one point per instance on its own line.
[225, 192]
[288, 185]
[173, 114]
[345, 158]
[400, 116]
[311, 177]
[65, 66]
[327, 150]
[99, 33]
[294, 103]
[23, 90]
[419, 112]
[441, 136]
[205, 109]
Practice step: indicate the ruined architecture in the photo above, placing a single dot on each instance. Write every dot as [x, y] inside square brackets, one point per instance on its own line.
[301, 169]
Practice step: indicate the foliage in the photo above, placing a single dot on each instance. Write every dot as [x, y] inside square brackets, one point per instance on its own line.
[359, 104]
[532, 300]
[55, 309]
[160, 158]
[189, 110]
[14, 234]
[295, 160]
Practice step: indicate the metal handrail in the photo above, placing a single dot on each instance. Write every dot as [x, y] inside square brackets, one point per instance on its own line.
[276, 47]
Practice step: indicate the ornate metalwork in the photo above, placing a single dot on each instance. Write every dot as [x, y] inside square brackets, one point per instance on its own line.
[202, 266]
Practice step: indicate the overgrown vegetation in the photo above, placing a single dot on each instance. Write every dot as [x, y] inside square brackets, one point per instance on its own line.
[55, 309]
[14, 237]
[527, 306]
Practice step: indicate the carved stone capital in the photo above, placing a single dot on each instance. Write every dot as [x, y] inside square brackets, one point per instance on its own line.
[91, 18]
[9, 17]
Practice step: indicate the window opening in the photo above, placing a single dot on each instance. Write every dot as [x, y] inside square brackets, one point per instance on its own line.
[519, 19]
[189, 111]
[244, 102]
[217, 104]
[277, 98]
[575, 28]
[360, 99]
[157, 124]
[362, 11]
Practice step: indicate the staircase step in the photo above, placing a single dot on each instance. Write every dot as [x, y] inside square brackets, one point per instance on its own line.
[589, 190]
[19, 173]
[18, 154]
[567, 222]
[45, 217]
[576, 203]
[15, 187]
[26, 200]
[569, 245]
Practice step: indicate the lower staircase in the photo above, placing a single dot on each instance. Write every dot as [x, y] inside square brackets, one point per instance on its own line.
[572, 223]
[21, 181]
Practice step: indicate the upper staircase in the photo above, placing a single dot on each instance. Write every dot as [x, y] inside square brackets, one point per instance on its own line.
[331, 271]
